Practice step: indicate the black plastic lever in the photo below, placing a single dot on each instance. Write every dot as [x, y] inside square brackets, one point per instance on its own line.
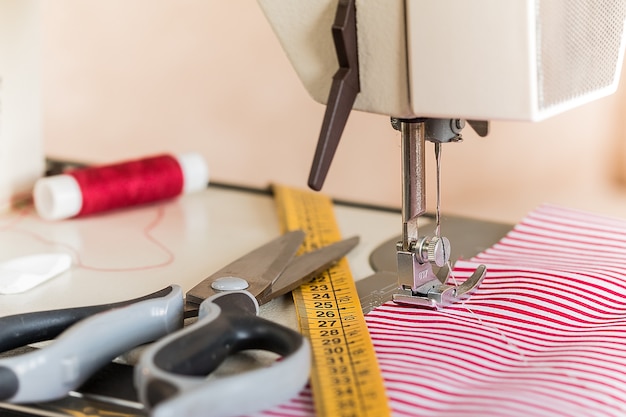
[343, 92]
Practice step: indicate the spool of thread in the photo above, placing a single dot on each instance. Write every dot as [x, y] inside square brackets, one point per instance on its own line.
[91, 190]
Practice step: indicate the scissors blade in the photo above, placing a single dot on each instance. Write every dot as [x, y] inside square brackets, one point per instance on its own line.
[258, 268]
[306, 266]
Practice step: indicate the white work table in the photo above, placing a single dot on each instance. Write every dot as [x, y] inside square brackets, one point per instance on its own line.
[131, 252]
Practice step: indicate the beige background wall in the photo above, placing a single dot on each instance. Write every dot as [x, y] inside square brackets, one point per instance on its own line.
[129, 78]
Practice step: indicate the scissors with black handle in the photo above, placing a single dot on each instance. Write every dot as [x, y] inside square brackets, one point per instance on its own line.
[52, 372]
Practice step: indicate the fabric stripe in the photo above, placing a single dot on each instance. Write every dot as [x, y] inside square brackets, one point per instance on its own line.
[545, 335]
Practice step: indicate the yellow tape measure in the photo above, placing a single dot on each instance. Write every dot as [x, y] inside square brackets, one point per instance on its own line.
[345, 378]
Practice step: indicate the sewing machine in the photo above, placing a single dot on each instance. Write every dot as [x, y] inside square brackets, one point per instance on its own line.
[432, 64]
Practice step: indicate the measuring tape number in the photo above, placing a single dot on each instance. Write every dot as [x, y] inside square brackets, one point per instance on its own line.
[345, 377]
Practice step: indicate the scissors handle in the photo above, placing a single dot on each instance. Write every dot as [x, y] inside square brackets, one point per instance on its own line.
[52, 372]
[171, 376]
[23, 329]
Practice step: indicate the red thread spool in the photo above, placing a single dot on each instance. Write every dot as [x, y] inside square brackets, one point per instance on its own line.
[92, 190]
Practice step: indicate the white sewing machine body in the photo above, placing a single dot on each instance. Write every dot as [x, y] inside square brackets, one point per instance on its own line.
[479, 59]
[431, 63]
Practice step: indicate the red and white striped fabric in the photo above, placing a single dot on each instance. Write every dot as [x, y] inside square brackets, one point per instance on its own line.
[545, 334]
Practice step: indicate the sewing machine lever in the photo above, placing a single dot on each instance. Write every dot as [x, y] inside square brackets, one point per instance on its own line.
[343, 92]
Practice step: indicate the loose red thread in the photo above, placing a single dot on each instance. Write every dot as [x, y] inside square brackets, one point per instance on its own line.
[13, 226]
[128, 183]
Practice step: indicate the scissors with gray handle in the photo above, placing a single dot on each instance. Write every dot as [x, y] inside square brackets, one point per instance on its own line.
[171, 377]
[234, 294]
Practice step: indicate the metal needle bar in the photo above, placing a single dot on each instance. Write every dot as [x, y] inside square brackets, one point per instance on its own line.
[413, 179]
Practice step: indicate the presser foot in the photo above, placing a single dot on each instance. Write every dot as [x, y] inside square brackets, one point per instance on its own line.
[426, 289]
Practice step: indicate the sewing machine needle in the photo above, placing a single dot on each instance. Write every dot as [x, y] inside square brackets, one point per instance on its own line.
[438, 212]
